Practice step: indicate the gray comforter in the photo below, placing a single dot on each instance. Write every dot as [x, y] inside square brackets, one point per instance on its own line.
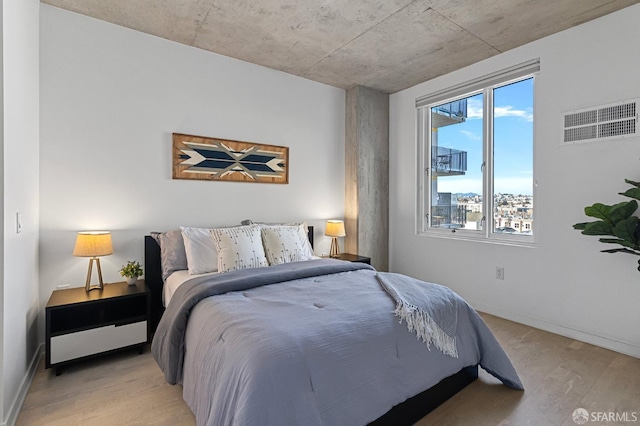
[306, 343]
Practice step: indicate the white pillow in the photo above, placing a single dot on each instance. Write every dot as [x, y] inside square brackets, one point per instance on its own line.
[285, 243]
[239, 247]
[202, 256]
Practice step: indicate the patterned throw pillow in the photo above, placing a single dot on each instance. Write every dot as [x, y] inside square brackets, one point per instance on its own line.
[284, 244]
[239, 248]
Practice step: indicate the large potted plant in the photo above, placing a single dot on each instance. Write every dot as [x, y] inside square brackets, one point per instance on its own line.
[617, 222]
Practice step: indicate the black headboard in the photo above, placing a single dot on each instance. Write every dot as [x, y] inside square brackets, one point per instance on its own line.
[153, 279]
[310, 234]
[153, 276]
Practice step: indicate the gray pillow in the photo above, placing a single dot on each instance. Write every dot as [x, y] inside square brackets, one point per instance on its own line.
[173, 256]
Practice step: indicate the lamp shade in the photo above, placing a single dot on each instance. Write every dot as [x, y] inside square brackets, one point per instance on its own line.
[335, 228]
[93, 244]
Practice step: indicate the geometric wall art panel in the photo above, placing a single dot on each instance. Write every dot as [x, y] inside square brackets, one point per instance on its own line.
[203, 158]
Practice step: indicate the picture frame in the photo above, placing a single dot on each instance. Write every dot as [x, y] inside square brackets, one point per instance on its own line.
[215, 159]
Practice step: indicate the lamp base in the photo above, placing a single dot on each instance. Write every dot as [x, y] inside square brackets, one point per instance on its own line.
[87, 286]
[335, 248]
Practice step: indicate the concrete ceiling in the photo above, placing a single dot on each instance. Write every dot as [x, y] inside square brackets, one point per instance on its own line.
[388, 45]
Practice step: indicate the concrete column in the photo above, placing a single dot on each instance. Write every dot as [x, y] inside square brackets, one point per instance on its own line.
[367, 175]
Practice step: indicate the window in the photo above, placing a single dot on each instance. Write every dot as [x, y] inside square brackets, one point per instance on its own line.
[475, 157]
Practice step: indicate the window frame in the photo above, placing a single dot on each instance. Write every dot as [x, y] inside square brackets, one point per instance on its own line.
[485, 85]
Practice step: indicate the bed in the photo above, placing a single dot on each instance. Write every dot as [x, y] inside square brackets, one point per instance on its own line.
[312, 342]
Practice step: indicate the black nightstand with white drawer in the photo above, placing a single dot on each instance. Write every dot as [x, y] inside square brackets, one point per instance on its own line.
[81, 324]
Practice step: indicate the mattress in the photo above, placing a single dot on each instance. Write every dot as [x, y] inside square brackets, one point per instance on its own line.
[175, 280]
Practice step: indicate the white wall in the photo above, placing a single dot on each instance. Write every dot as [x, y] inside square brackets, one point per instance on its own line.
[20, 305]
[564, 284]
[110, 100]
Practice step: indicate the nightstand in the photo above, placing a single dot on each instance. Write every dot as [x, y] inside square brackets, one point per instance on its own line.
[81, 324]
[351, 258]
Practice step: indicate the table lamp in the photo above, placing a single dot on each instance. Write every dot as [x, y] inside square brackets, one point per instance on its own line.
[335, 229]
[93, 244]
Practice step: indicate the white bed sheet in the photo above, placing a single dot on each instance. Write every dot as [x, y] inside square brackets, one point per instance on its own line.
[177, 278]
[174, 281]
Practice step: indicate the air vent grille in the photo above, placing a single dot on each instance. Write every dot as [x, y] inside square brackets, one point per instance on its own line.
[580, 133]
[581, 118]
[601, 123]
[617, 128]
[616, 112]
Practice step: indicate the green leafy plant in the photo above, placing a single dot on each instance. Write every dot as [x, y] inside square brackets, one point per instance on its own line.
[618, 222]
[131, 269]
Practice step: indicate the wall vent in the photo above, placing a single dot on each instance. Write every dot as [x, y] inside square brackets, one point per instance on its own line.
[614, 121]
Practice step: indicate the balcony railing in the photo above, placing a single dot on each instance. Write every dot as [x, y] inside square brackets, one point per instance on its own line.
[453, 109]
[448, 216]
[447, 161]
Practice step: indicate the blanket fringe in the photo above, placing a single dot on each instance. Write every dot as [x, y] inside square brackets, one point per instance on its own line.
[426, 328]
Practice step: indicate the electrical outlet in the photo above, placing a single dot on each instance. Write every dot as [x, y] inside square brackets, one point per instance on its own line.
[499, 273]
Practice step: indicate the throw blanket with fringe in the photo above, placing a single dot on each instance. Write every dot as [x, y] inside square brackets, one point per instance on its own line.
[430, 310]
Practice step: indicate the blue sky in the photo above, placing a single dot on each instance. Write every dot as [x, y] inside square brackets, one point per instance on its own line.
[513, 142]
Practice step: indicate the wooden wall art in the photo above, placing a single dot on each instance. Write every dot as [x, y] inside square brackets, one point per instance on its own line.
[202, 158]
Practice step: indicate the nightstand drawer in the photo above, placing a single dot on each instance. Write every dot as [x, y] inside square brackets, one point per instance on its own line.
[96, 340]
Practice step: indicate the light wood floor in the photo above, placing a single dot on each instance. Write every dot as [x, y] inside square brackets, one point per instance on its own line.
[559, 375]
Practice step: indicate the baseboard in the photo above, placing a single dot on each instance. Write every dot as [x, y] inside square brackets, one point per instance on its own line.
[616, 345]
[16, 405]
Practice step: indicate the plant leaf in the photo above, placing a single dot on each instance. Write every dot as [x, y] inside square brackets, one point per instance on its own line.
[598, 228]
[580, 226]
[626, 230]
[622, 211]
[631, 193]
[631, 182]
[623, 243]
[598, 210]
[611, 240]
[621, 250]
[631, 245]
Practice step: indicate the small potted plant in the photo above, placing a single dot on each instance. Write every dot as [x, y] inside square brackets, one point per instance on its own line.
[131, 271]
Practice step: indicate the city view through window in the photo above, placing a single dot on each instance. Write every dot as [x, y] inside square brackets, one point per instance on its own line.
[459, 169]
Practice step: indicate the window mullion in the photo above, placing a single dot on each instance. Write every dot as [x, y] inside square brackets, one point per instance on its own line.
[423, 143]
[487, 175]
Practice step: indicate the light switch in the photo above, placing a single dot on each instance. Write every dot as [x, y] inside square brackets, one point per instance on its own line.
[18, 222]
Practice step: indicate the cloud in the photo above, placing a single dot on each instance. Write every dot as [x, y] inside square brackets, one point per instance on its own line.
[474, 108]
[509, 111]
[471, 135]
[474, 111]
